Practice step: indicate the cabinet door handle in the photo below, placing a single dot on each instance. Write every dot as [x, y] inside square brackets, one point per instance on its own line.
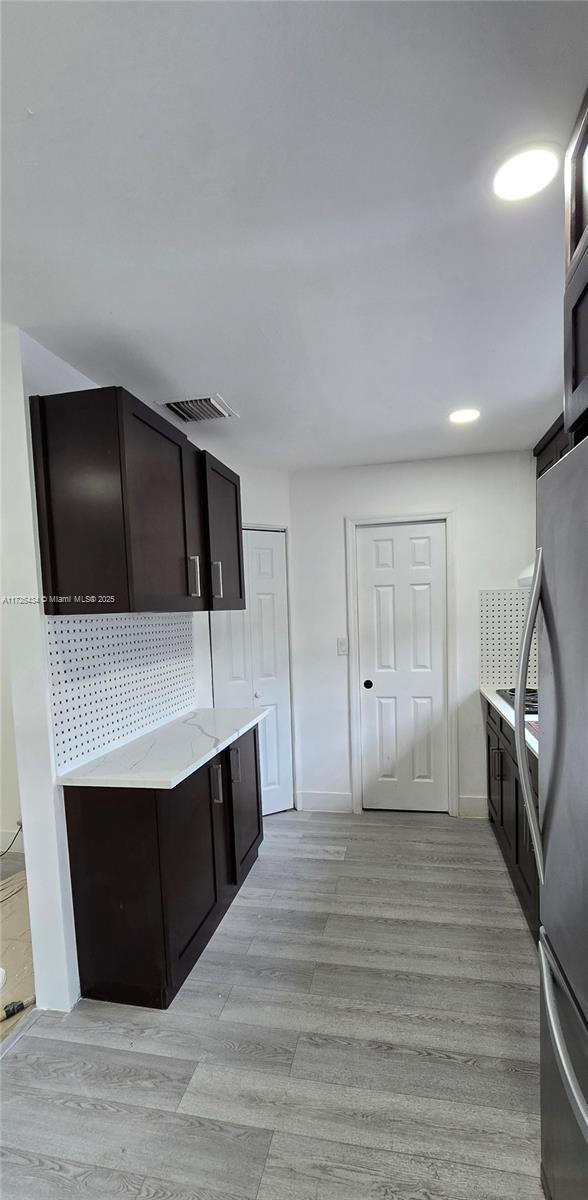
[216, 783]
[497, 755]
[194, 560]
[235, 764]
[217, 580]
[578, 1102]
[520, 739]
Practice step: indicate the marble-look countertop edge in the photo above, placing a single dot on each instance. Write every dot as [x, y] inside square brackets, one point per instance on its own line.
[82, 776]
[506, 710]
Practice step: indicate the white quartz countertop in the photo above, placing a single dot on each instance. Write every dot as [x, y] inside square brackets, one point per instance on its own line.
[167, 755]
[506, 710]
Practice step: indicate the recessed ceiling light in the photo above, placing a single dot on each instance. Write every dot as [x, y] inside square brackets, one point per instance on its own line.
[463, 416]
[526, 173]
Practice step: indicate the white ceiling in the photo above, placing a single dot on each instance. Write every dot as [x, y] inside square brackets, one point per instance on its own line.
[291, 204]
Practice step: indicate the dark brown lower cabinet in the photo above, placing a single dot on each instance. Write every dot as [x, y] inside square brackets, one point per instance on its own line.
[509, 779]
[506, 811]
[494, 789]
[245, 789]
[153, 873]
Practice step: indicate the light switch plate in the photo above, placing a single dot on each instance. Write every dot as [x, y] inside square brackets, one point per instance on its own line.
[342, 645]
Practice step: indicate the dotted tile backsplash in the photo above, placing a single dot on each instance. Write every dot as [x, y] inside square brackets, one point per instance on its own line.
[502, 617]
[115, 677]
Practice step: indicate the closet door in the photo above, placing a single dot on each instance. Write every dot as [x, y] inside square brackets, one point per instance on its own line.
[251, 661]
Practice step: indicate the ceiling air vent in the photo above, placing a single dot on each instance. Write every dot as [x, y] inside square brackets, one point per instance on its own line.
[201, 408]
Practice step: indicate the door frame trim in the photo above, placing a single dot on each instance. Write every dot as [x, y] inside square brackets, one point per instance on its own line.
[351, 526]
[263, 527]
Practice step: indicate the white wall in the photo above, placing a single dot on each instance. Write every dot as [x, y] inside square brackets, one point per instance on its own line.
[42, 372]
[44, 835]
[9, 794]
[265, 491]
[492, 501]
[265, 496]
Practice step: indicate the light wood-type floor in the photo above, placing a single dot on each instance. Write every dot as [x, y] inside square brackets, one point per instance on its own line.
[16, 954]
[363, 1026]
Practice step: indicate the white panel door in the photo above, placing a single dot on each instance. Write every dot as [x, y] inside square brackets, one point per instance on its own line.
[251, 661]
[401, 573]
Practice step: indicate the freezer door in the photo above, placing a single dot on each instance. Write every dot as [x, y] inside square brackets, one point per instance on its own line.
[564, 1149]
[562, 531]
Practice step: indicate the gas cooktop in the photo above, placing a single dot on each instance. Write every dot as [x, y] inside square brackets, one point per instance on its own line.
[508, 694]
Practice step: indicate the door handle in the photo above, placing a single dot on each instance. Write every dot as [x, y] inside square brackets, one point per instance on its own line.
[217, 587]
[256, 695]
[520, 740]
[216, 782]
[368, 683]
[194, 560]
[235, 764]
[573, 1091]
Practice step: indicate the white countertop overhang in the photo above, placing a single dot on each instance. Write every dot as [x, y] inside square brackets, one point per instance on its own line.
[165, 756]
[506, 710]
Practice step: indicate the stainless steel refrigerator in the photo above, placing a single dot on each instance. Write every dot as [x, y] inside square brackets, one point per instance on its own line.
[559, 600]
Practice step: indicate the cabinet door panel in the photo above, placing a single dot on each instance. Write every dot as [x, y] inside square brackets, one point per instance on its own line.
[493, 776]
[509, 781]
[190, 887]
[225, 535]
[246, 793]
[197, 549]
[117, 894]
[576, 183]
[154, 501]
[75, 440]
[224, 837]
[525, 856]
[576, 346]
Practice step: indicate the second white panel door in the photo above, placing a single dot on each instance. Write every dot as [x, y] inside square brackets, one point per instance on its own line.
[401, 572]
[251, 661]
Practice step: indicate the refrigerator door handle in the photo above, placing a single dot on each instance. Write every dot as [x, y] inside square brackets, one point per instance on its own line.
[520, 740]
[572, 1087]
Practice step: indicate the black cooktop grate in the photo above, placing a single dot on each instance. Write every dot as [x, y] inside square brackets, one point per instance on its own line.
[508, 694]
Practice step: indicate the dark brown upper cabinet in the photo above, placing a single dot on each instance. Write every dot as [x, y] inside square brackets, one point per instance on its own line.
[576, 187]
[122, 507]
[164, 524]
[552, 446]
[223, 497]
[576, 350]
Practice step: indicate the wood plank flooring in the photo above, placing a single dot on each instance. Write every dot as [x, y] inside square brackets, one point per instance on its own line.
[16, 952]
[362, 1026]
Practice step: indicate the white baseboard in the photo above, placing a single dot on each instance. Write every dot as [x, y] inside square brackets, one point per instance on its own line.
[324, 801]
[473, 806]
[6, 836]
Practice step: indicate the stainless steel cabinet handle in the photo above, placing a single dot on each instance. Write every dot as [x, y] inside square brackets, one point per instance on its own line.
[572, 1087]
[235, 764]
[216, 783]
[496, 763]
[194, 559]
[217, 580]
[520, 741]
